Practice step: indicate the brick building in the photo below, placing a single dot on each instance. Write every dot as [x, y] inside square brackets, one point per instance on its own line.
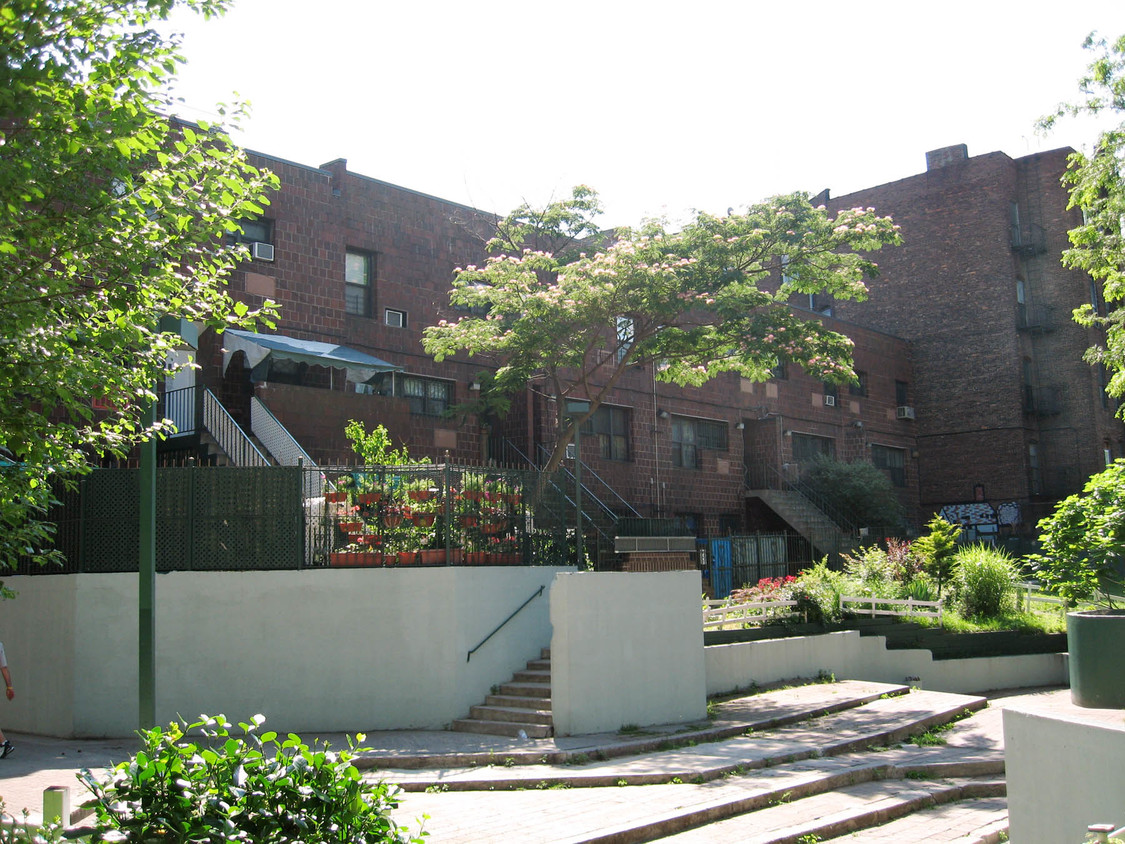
[973, 394]
[1008, 415]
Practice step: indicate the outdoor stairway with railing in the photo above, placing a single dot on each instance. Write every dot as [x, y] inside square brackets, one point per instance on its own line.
[806, 519]
[520, 706]
[804, 763]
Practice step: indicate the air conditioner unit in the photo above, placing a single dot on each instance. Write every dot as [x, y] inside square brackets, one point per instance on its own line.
[904, 412]
[261, 251]
[395, 319]
[829, 401]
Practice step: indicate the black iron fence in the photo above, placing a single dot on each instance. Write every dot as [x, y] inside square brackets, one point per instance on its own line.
[262, 518]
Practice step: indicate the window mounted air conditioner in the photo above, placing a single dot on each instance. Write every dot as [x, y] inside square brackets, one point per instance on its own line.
[261, 251]
[904, 412]
[829, 401]
[395, 319]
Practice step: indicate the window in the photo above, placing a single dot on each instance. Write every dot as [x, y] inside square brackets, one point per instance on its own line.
[357, 283]
[831, 394]
[892, 461]
[780, 372]
[691, 435]
[902, 397]
[807, 447]
[624, 336]
[395, 319]
[427, 396]
[254, 231]
[859, 386]
[611, 427]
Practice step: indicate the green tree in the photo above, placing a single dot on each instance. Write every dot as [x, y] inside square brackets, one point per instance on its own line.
[1082, 544]
[1097, 188]
[858, 492]
[111, 217]
[561, 304]
[938, 549]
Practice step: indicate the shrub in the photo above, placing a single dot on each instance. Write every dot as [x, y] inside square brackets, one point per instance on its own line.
[228, 788]
[985, 579]
[1083, 541]
[859, 492]
[937, 549]
[817, 592]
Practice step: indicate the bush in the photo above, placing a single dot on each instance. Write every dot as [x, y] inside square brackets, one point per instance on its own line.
[859, 492]
[817, 592]
[985, 580]
[227, 788]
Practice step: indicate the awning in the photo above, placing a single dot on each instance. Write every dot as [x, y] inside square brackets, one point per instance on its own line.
[260, 347]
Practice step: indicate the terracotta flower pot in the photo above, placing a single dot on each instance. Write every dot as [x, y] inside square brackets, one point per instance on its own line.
[335, 497]
[423, 519]
[369, 497]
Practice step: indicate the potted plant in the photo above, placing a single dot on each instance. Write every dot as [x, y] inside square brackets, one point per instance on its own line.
[473, 485]
[1082, 547]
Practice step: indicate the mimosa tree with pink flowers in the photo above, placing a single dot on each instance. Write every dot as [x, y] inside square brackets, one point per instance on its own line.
[569, 307]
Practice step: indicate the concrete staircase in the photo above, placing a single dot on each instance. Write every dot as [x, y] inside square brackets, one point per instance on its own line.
[805, 518]
[800, 764]
[520, 708]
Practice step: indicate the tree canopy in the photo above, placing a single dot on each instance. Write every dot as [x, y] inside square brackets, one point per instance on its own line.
[561, 303]
[111, 217]
[1098, 189]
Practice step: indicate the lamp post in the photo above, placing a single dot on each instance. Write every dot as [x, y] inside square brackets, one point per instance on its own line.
[576, 408]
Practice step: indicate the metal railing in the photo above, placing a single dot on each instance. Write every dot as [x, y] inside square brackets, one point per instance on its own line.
[500, 626]
[764, 476]
[283, 446]
[182, 408]
[229, 435]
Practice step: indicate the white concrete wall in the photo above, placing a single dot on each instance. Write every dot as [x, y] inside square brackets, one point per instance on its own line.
[626, 649]
[324, 650]
[853, 657]
[1063, 774]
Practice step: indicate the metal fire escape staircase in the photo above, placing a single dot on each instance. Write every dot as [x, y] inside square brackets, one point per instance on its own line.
[829, 533]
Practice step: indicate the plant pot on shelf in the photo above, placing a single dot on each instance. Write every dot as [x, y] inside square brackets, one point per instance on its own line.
[369, 497]
[351, 527]
[432, 556]
[469, 521]
[423, 519]
[392, 519]
[421, 494]
[1096, 640]
[335, 497]
[476, 558]
[494, 527]
[407, 558]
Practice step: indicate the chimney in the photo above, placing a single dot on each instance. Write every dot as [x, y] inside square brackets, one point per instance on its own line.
[945, 156]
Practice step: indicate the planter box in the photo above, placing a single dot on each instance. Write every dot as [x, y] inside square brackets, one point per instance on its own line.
[355, 558]
[1096, 640]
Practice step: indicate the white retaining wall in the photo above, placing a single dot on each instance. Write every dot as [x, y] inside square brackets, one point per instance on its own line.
[317, 651]
[850, 656]
[1064, 771]
[627, 649]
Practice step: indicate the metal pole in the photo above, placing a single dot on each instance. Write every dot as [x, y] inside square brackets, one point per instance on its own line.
[581, 557]
[146, 598]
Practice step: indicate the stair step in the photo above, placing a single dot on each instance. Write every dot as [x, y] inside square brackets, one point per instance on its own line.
[529, 676]
[502, 728]
[526, 689]
[514, 714]
[539, 665]
[519, 702]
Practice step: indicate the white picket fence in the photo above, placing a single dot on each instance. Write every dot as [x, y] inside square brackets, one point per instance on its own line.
[717, 613]
[902, 607]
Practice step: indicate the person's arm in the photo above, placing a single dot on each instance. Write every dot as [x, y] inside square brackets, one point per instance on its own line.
[8, 682]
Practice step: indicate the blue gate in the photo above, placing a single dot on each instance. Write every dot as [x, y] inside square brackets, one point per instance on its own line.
[721, 570]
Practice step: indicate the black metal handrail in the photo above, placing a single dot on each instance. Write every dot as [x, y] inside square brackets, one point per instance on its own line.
[775, 480]
[534, 595]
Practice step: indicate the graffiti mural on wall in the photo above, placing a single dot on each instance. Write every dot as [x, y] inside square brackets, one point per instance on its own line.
[982, 517]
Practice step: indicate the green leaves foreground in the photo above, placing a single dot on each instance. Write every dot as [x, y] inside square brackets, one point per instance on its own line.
[258, 788]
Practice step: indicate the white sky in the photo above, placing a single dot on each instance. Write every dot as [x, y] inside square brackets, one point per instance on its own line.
[662, 107]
